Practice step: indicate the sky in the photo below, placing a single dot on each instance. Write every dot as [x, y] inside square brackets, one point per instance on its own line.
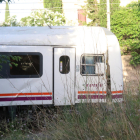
[20, 8]
[125, 2]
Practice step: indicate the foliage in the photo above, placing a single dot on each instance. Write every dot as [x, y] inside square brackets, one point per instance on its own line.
[135, 59]
[5, 1]
[7, 59]
[7, 13]
[97, 12]
[125, 24]
[114, 6]
[43, 18]
[38, 18]
[80, 122]
[102, 13]
[91, 10]
[54, 5]
[12, 21]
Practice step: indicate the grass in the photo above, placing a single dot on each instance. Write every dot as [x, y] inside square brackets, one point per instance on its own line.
[103, 121]
[100, 121]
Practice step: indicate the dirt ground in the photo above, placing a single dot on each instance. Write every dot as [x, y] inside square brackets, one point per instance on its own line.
[131, 75]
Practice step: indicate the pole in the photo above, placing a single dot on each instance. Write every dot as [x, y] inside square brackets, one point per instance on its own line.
[108, 15]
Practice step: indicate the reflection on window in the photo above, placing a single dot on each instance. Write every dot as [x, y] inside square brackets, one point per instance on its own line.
[88, 62]
[27, 65]
[64, 64]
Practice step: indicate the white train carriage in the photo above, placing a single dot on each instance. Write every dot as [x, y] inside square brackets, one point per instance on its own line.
[59, 65]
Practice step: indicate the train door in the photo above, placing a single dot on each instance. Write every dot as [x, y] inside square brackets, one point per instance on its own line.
[64, 76]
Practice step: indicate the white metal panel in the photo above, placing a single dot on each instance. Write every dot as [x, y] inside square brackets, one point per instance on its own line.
[37, 36]
[115, 63]
[92, 41]
[64, 83]
[17, 86]
[89, 38]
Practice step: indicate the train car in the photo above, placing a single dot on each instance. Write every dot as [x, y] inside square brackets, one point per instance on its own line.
[59, 65]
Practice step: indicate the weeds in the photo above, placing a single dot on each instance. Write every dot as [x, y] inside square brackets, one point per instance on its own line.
[82, 121]
[95, 121]
[90, 121]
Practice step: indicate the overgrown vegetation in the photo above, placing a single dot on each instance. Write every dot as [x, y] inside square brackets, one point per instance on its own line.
[80, 122]
[125, 24]
[97, 11]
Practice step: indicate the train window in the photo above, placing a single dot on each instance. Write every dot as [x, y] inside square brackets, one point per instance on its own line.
[22, 65]
[26, 65]
[88, 63]
[64, 64]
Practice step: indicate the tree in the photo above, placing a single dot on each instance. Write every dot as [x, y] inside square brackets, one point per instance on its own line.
[7, 13]
[97, 11]
[114, 6]
[91, 10]
[54, 5]
[43, 18]
[38, 18]
[102, 13]
[5, 0]
[125, 24]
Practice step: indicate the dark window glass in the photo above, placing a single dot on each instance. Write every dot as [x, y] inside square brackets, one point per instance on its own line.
[64, 64]
[22, 65]
[88, 63]
[27, 65]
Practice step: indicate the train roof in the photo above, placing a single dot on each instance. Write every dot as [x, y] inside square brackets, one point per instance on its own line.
[52, 36]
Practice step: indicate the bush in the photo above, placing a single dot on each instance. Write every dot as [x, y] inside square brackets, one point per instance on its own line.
[135, 59]
[11, 21]
[43, 18]
[125, 25]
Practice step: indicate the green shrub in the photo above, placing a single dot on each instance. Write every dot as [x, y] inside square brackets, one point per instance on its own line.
[11, 21]
[135, 59]
[125, 25]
